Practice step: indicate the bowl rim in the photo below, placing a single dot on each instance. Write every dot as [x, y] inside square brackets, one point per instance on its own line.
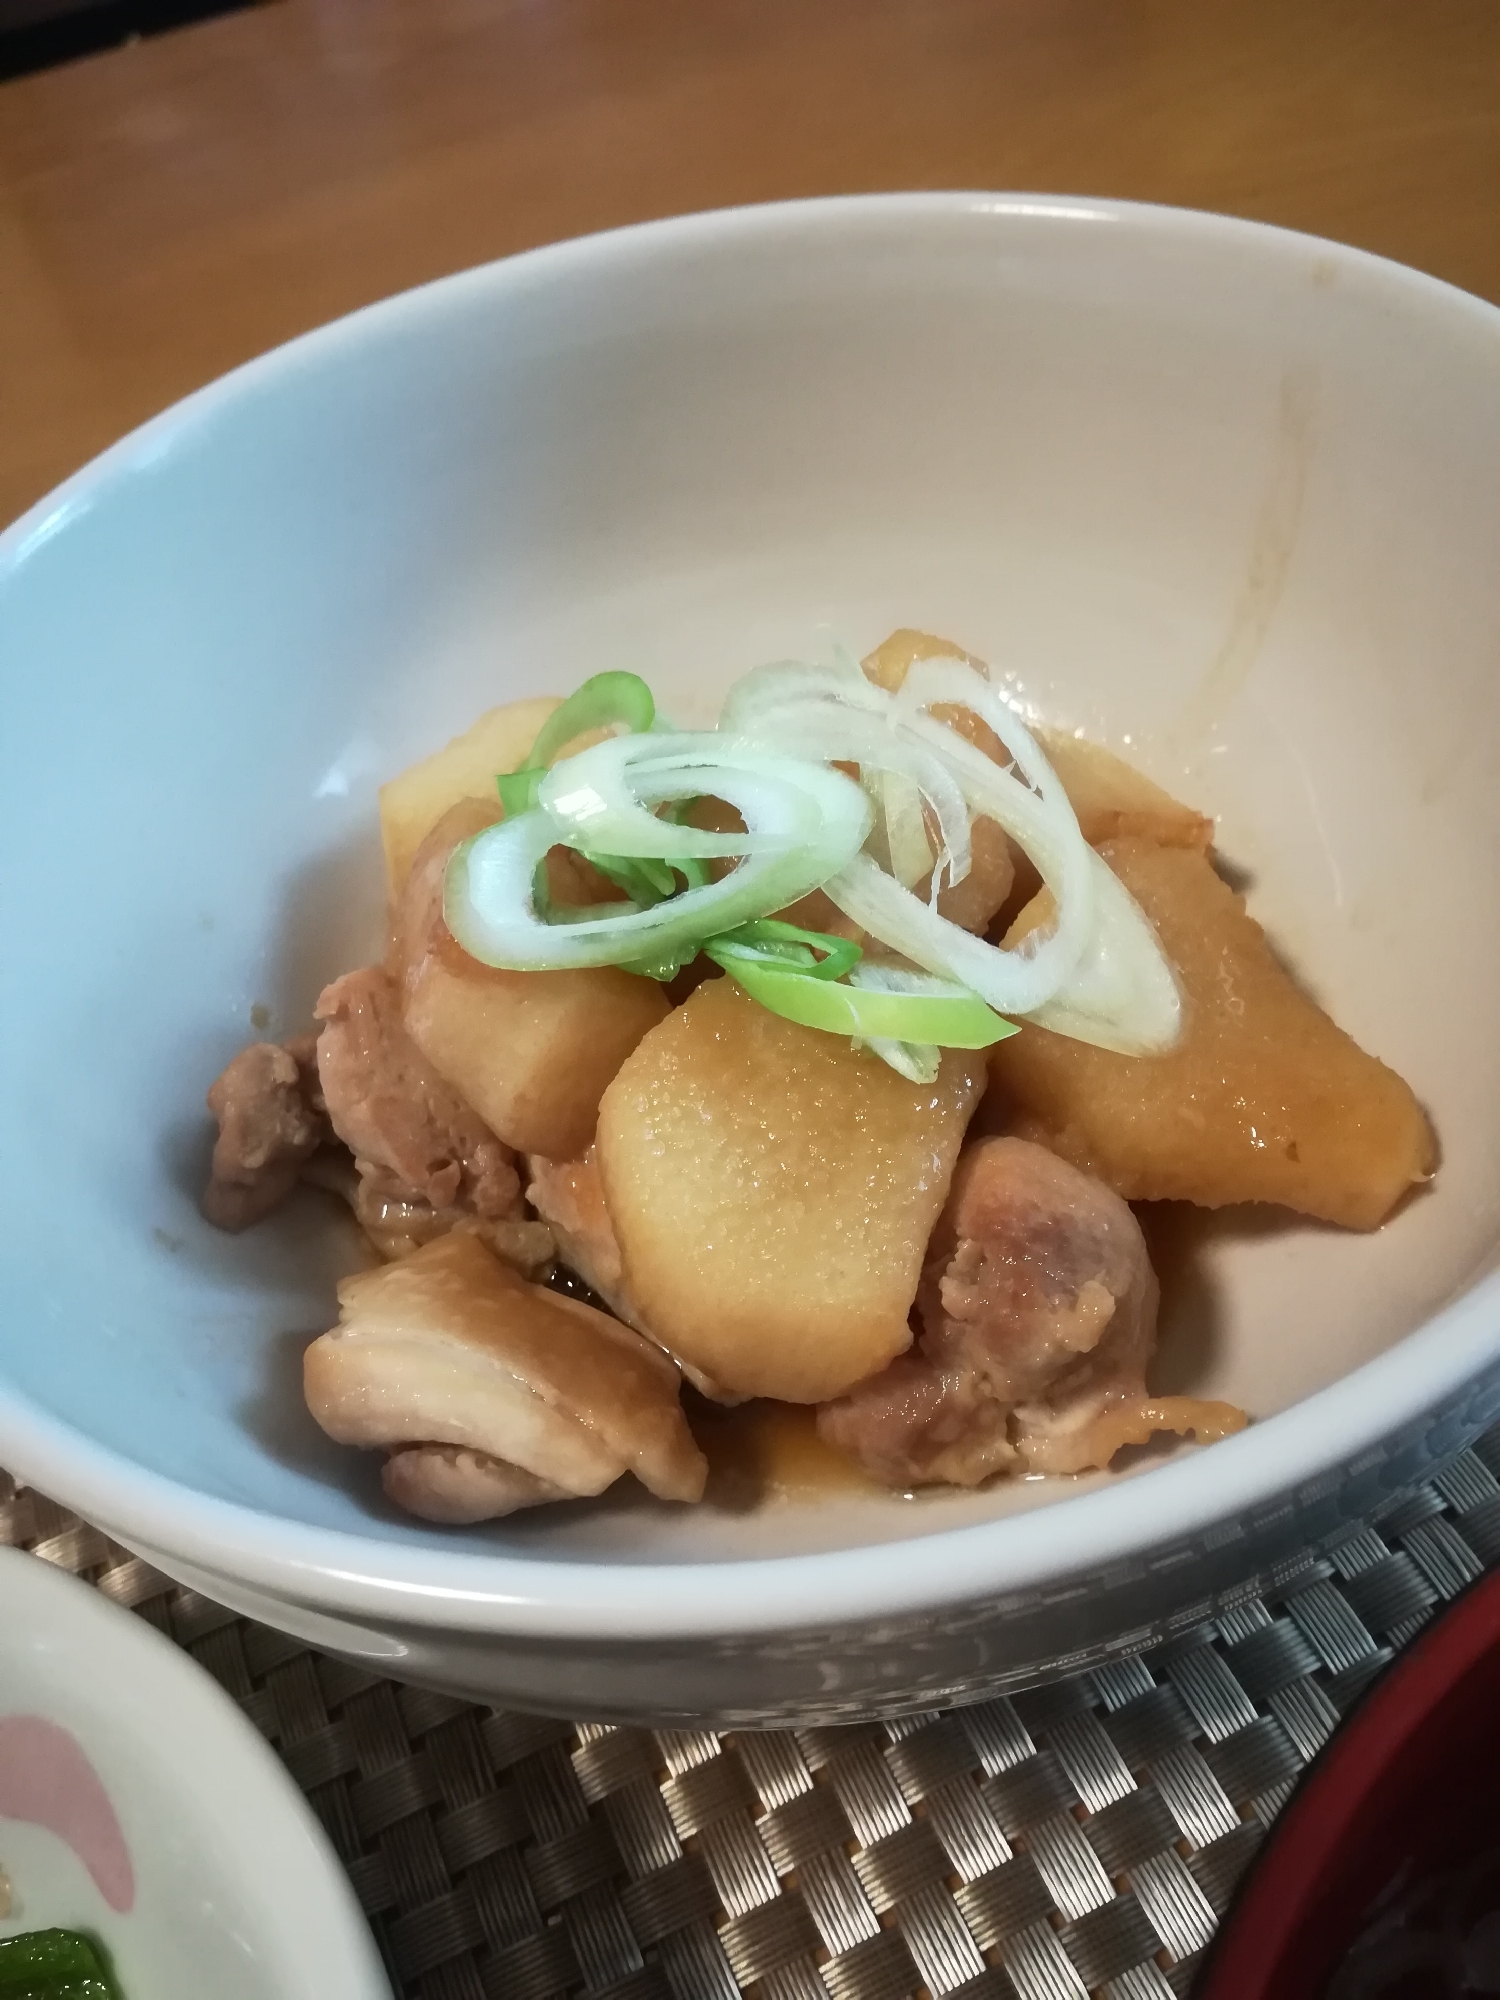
[272, 1823]
[483, 1590]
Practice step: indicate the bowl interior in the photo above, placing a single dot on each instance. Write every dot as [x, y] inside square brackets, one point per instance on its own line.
[1224, 498]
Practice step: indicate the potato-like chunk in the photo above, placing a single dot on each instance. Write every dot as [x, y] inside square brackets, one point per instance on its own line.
[773, 1192]
[893, 659]
[451, 1347]
[1113, 801]
[1108, 795]
[1264, 1099]
[412, 803]
[532, 1052]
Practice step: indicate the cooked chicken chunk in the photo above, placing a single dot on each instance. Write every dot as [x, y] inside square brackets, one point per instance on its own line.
[271, 1120]
[441, 1483]
[569, 1197]
[397, 1225]
[398, 1222]
[1038, 1311]
[388, 1136]
[394, 1112]
[451, 1347]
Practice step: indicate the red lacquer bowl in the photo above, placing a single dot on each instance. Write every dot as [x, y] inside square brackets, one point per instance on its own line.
[1413, 1775]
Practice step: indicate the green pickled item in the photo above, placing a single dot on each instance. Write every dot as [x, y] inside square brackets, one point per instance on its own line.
[67, 1989]
[53, 1965]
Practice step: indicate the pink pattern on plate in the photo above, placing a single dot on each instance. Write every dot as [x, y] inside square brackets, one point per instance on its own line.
[46, 1778]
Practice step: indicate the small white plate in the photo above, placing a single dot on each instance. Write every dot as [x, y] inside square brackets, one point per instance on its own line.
[209, 1874]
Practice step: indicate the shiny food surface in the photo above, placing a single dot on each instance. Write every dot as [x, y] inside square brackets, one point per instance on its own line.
[711, 1138]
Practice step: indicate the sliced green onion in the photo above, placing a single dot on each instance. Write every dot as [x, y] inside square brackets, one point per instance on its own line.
[605, 701]
[518, 789]
[918, 1062]
[606, 797]
[949, 1018]
[664, 966]
[906, 839]
[803, 823]
[769, 941]
[1097, 973]
[644, 881]
[822, 716]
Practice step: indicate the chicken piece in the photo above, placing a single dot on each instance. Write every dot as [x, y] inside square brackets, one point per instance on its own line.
[441, 1483]
[1263, 1099]
[271, 1121]
[451, 1347]
[397, 1222]
[393, 1111]
[569, 1197]
[397, 1225]
[1038, 1311]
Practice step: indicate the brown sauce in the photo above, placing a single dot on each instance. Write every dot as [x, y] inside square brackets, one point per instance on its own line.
[763, 1451]
[756, 1451]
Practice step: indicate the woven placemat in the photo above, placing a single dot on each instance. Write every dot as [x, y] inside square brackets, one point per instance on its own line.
[1081, 1838]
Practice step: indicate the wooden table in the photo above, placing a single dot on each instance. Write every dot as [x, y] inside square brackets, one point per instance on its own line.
[172, 207]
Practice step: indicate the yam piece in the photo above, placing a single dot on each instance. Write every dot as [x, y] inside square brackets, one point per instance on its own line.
[1113, 801]
[773, 1191]
[1110, 798]
[531, 1051]
[1264, 1099]
[412, 804]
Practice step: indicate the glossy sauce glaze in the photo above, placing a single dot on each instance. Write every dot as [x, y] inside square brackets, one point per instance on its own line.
[757, 1451]
[762, 1452]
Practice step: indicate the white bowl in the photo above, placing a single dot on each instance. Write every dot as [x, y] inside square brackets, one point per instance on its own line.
[1220, 494]
[214, 1877]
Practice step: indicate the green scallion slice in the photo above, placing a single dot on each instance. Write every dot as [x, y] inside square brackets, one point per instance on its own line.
[951, 1019]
